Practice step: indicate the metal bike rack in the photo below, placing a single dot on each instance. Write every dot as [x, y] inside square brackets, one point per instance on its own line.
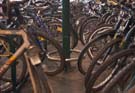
[53, 58]
[66, 31]
[13, 67]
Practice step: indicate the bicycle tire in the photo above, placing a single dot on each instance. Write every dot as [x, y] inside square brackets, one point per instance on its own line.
[85, 50]
[104, 17]
[110, 19]
[74, 38]
[102, 68]
[57, 35]
[121, 74]
[38, 79]
[59, 49]
[78, 22]
[92, 22]
[22, 74]
[99, 54]
[73, 33]
[81, 25]
[101, 29]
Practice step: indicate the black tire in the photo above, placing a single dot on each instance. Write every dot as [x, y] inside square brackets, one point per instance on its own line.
[58, 48]
[78, 22]
[55, 25]
[21, 70]
[38, 78]
[111, 19]
[108, 63]
[101, 29]
[74, 38]
[85, 50]
[94, 63]
[118, 78]
[88, 28]
[82, 24]
[104, 17]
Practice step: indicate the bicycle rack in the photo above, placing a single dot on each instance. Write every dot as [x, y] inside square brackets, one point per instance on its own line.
[55, 58]
[66, 31]
[13, 67]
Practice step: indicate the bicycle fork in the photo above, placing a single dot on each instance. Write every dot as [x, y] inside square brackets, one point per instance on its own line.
[33, 60]
[28, 56]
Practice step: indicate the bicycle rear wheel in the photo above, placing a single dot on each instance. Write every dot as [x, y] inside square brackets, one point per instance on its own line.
[55, 27]
[122, 77]
[84, 59]
[87, 29]
[20, 64]
[100, 30]
[106, 72]
[101, 56]
[51, 64]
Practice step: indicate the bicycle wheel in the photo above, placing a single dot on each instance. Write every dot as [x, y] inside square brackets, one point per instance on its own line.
[111, 19]
[88, 28]
[55, 28]
[100, 29]
[78, 22]
[97, 32]
[119, 78]
[101, 56]
[74, 38]
[38, 79]
[51, 65]
[84, 59]
[82, 24]
[106, 72]
[21, 67]
[104, 17]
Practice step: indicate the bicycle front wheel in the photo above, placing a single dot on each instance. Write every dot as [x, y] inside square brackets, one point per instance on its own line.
[38, 79]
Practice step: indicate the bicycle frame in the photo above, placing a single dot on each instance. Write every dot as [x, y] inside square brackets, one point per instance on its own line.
[31, 54]
[118, 33]
[39, 21]
[20, 51]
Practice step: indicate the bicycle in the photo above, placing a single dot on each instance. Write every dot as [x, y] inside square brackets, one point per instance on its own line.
[124, 43]
[41, 39]
[124, 79]
[38, 77]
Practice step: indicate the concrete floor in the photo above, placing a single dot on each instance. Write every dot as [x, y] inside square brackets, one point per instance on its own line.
[71, 82]
[65, 82]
